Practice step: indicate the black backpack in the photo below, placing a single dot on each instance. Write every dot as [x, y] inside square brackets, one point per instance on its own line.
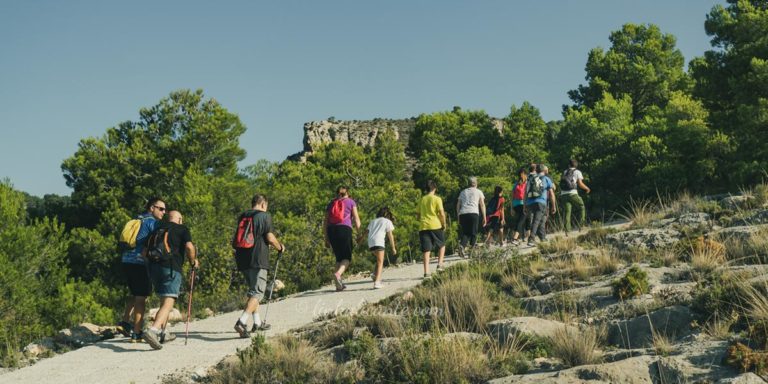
[158, 249]
[568, 182]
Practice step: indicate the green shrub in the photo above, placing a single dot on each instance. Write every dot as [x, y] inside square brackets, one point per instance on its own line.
[634, 283]
[596, 236]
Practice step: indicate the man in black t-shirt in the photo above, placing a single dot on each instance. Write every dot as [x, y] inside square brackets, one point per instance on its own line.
[254, 263]
[166, 276]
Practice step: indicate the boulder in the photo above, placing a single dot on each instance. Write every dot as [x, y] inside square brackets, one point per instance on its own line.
[174, 316]
[648, 238]
[85, 333]
[530, 326]
[44, 346]
[673, 322]
[747, 378]
[695, 220]
[635, 370]
[755, 218]
[743, 233]
[736, 202]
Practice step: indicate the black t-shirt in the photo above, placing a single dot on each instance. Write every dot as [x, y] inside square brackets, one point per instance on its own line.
[178, 237]
[258, 256]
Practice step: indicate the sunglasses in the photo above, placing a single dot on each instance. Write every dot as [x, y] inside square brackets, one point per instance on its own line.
[162, 209]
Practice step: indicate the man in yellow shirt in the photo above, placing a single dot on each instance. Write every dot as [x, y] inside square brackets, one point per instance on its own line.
[431, 226]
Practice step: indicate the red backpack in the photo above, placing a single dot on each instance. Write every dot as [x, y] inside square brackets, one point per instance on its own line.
[336, 213]
[244, 233]
[519, 191]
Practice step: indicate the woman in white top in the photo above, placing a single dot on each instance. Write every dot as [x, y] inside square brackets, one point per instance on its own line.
[380, 228]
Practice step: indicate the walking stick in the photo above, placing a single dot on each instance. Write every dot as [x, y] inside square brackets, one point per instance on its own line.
[274, 278]
[189, 306]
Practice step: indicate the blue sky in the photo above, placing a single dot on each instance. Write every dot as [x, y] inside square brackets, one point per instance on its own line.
[72, 69]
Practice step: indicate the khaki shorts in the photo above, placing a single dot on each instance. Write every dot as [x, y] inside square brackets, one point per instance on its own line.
[256, 279]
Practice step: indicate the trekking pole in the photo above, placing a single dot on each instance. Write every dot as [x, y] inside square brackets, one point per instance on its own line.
[271, 290]
[189, 306]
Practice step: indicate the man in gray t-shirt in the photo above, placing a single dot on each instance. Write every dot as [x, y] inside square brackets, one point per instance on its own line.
[470, 209]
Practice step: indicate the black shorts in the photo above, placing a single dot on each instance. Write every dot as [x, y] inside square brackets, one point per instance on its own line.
[340, 237]
[431, 239]
[376, 248]
[137, 278]
[494, 224]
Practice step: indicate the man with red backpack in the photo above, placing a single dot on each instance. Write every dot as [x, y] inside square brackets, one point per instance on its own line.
[338, 231]
[253, 236]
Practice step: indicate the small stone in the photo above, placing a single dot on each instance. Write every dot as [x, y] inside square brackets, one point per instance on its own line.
[408, 296]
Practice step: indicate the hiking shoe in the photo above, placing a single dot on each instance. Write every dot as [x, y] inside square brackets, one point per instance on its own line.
[241, 329]
[337, 281]
[427, 276]
[531, 243]
[124, 328]
[515, 243]
[461, 252]
[440, 268]
[136, 337]
[167, 337]
[152, 338]
[263, 327]
[378, 286]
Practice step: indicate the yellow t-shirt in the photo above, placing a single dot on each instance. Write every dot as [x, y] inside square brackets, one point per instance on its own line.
[429, 210]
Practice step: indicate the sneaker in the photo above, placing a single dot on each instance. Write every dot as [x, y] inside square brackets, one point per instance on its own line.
[167, 337]
[337, 281]
[515, 243]
[343, 287]
[531, 243]
[440, 268]
[152, 338]
[461, 252]
[263, 327]
[427, 276]
[241, 329]
[136, 337]
[124, 328]
[378, 286]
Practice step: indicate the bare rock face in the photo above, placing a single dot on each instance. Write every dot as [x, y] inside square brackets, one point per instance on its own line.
[673, 322]
[362, 133]
[85, 333]
[506, 328]
[743, 233]
[635, 370]
[46, 345]
[651, 238]
[173, 316]
[736, 202]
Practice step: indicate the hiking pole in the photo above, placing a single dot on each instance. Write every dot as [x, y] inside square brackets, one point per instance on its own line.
[189, 306]
[272, 290]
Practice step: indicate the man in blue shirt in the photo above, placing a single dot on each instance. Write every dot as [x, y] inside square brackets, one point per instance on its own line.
[540, 190]
[135, 271]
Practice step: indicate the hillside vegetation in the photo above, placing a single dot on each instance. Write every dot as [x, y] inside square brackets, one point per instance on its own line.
[641, 126]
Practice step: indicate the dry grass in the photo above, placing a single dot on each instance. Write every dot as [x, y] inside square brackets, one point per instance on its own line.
[515, 285]
[382, 325]
[707, 255]
[606, 262]
[559, 245]
[754, 250]
[719, 328]
[641, 213]
[662, 345]
[576, 347]
[437, 360]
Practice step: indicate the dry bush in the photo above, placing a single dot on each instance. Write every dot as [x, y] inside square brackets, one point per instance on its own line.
[436, 360]
[335, 333]
[754, 250]
[285, 359]
[382, 325]
[577, 347]
[719, 328]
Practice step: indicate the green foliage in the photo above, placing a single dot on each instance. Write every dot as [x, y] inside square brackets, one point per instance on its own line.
[633, 283]
[732, 81]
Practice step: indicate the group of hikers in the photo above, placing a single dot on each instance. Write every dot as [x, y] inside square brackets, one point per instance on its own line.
[155, 249]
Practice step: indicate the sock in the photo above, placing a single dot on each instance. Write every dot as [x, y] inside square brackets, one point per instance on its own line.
[256, 319]
[153, 329]
[244, 318]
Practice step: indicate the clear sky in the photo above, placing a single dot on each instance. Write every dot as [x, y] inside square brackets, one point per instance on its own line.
[72, 69]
